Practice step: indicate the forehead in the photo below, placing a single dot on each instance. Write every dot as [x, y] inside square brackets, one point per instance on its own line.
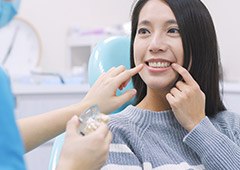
[156, 10]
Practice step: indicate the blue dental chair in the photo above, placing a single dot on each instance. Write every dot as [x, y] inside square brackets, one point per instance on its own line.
[11, 147]
[111, 52]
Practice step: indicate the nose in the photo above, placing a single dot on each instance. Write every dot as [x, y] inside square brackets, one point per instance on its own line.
[157, 44]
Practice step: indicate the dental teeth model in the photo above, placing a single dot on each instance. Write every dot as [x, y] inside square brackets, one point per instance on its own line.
[91, 119]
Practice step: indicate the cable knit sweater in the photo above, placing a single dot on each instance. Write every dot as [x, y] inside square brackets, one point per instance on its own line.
[143, 139]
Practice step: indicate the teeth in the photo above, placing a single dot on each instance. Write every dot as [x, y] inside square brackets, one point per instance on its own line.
[159, 64]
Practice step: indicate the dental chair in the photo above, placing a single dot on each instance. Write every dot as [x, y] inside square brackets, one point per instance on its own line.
[112, 52]
[11, 147]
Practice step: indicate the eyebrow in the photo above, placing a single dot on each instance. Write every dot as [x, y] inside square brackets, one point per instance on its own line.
[168, 22]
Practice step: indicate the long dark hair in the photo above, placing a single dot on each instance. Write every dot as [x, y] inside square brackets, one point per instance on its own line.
[199, 44]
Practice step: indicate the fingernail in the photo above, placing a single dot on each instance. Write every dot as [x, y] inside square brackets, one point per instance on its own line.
[133, 91]
[174, 65]
[75, 118]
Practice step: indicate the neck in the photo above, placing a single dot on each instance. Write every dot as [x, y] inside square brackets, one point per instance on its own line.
[155, 101]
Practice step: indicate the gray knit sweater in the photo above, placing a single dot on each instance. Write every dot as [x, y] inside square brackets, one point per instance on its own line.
[144, 139]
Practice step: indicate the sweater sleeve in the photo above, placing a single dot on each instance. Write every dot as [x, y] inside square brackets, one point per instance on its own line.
[216, 150]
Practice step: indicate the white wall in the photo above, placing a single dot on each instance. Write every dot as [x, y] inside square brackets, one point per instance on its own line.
[52, 19]
[225, 15]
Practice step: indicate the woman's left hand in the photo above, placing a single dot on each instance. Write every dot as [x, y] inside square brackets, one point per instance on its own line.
[187, 100]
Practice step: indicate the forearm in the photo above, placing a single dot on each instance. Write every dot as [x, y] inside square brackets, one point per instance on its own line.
[214, 148]
[38, 129]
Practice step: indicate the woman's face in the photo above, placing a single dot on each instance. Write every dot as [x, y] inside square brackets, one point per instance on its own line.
[157, 45]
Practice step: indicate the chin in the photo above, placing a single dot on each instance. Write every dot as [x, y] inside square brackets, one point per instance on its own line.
[158, 85]
[161, 85]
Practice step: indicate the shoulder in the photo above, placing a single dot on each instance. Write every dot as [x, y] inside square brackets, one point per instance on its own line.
[124, 125]
[120, 121]
[227, 117]
[125, 118]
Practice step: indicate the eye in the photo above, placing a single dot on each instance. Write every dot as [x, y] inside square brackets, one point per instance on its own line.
[173, 31]
[143, 31]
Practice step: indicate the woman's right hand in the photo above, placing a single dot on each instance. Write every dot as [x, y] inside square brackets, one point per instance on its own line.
[84, 152]
[103, 92]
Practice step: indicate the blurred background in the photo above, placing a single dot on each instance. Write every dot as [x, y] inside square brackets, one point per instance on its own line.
[55, 21]
[225, 14]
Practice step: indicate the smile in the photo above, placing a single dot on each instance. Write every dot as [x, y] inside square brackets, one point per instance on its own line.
[159, 64]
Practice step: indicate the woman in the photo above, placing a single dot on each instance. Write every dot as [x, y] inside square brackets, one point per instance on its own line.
[179, 121]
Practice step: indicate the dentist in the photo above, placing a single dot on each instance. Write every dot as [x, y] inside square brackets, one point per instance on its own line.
[88, 152]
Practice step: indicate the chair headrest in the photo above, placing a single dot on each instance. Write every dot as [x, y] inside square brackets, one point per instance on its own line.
[111, 52]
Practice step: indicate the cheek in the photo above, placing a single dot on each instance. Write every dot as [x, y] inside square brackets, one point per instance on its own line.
[180, 55]
[136, 59]
[180, 59]
[137, 54]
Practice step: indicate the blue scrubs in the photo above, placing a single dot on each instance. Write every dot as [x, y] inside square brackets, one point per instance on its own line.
[11, 146]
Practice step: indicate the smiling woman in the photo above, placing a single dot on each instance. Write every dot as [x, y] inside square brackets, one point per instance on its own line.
[179, 120]
[159, 44]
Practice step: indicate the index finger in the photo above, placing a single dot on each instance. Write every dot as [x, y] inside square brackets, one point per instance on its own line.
[72, 126]
[127, 74]
[184, 73]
